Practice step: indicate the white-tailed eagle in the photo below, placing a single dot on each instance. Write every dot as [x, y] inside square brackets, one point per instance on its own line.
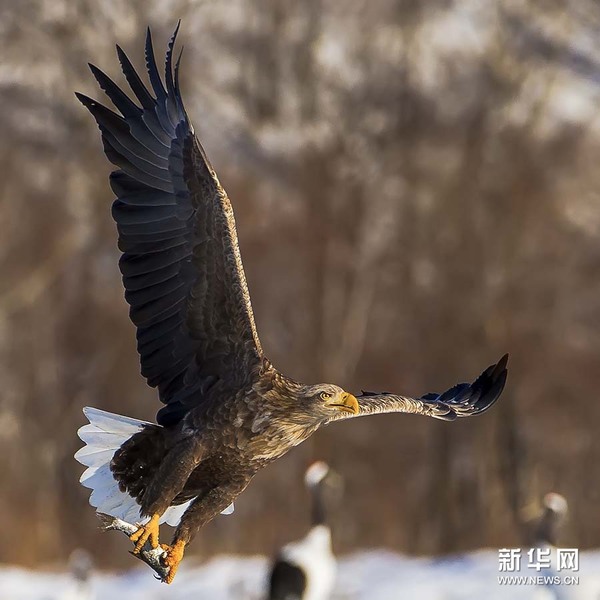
[228, 412]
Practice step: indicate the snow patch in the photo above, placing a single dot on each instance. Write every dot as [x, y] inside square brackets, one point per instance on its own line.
[366, 575]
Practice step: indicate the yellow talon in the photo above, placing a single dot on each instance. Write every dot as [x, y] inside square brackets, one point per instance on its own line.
[173, 558]
[146, 532]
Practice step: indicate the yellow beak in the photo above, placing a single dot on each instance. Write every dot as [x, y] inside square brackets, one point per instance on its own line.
[349, 404]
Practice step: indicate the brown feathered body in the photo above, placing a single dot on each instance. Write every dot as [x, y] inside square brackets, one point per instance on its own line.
[223, 442]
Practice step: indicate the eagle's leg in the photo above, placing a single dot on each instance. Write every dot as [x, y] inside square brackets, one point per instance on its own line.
[168, 481]
[173, 558]
[202, 510]
[146, 532]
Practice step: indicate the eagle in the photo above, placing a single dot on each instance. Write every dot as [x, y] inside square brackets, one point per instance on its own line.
[228, 412]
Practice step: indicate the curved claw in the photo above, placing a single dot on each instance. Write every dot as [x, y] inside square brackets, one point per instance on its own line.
[148, 532]
[173, 558]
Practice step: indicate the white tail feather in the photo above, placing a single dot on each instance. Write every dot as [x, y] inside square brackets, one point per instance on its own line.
[103, 436]
[94, 457]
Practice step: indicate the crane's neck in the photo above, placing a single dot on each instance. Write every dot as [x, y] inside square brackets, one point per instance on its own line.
[318, 510]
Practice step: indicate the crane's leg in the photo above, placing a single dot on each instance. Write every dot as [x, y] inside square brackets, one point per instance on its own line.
[168, 481]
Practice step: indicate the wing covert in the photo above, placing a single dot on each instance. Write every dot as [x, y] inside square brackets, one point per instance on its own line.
[181, 265]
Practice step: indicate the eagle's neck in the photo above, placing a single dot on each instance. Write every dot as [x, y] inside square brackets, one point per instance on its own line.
[278, 424]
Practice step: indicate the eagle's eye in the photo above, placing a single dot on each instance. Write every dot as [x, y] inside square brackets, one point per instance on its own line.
[325, 395]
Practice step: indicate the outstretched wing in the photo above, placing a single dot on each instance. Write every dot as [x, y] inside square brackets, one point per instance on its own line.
[181, 264]
[462, 400]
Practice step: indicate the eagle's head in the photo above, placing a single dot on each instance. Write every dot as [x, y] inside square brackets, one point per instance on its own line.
[325, 402]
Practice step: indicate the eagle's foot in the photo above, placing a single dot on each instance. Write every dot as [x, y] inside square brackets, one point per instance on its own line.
[172, 558]
[146, 532]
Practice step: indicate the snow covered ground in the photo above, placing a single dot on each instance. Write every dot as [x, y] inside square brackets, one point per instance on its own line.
[372, 575]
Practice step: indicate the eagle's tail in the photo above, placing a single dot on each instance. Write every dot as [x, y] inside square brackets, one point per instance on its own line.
[104, 435]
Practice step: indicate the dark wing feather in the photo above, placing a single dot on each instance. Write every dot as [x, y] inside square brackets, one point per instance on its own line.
[462, 400]
[181, 265]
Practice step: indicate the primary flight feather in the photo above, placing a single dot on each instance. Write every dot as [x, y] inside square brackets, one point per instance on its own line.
[227, 411]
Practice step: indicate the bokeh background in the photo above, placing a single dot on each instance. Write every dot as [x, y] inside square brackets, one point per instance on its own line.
[417, 192]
